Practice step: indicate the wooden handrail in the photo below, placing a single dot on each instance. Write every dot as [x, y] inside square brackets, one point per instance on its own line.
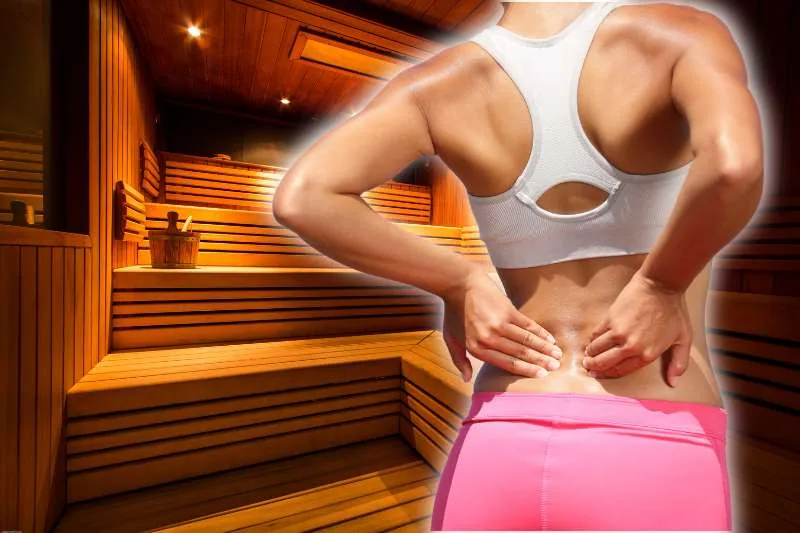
[23, 236]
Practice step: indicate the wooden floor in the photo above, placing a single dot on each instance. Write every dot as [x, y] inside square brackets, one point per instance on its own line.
[379, 485]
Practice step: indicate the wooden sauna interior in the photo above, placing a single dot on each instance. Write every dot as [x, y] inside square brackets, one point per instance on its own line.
[273, 388]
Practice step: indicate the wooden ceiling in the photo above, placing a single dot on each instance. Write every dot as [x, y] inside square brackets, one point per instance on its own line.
[243, 61]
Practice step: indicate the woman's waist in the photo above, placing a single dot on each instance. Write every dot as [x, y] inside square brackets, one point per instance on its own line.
[697, 384]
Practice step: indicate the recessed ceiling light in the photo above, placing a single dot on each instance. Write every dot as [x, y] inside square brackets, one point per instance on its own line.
[285, 101]
[194, 31]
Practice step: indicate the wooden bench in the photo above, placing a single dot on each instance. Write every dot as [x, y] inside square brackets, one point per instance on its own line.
[35, 200]
[212, 305]
[377, 485]
[21, 166]
[140, 419]
[207, 182]
[147, 410]
[21, 174]
[251, 238]
[435, 399]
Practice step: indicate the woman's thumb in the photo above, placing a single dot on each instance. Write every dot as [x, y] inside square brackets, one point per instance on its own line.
[458, 354]
[679, 362]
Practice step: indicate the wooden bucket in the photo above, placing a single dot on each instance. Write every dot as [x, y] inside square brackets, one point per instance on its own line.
[173, 248]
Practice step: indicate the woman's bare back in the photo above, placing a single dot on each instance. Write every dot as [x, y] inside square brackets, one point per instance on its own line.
[625, 107]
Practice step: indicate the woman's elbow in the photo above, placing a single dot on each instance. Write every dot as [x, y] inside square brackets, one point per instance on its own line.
[739, 164]
[286, 200]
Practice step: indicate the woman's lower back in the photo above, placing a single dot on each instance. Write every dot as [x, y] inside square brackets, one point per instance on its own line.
[569, 299]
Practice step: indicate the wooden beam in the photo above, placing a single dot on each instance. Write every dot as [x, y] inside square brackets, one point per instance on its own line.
[348, 25]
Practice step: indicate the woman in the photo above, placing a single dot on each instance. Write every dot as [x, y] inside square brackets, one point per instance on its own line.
[609, 152]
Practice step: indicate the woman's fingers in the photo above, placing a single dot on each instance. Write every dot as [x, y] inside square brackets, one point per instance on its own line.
[624, 368]
[604, 342]
[542, 354]
[605, 360]
[511, 364]
[458, 354]
[527, 323]
[525, 338]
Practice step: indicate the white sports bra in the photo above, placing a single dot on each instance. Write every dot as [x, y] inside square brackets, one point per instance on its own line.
[516, 230]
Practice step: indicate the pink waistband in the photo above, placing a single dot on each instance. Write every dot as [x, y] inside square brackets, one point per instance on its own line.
[670, 415]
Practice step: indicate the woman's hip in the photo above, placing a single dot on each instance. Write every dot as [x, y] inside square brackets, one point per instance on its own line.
[571, 461]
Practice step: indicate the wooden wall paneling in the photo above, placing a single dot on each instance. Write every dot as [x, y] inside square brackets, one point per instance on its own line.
[791, 111]
[9, 382]
[773, 38]
[450, 206]
[58, 310]
[40, 318]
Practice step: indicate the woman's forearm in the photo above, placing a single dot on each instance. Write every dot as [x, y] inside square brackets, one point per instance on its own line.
[345, 228]
[716, 203]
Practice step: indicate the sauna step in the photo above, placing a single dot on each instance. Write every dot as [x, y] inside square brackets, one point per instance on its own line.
[141, 419]
[154, 308]
[378, 485]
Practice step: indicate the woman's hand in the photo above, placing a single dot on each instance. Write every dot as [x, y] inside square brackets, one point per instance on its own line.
[645, 320]
[480, 318]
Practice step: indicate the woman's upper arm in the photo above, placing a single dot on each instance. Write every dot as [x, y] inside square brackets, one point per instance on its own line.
[367, 149]
[710, 88]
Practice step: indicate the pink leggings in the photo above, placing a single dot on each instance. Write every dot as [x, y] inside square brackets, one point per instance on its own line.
[572, 462]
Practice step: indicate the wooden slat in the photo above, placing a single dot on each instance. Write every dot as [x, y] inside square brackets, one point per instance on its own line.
[26, 236]
[120, 424]
[187, 161]
[29, 283]
[149, 189]
[16, 155]
[129, 213]
[32, 199]
[758, 314]
[267, 425]
[44, 362]
[125, 477]
[20, 186]
[196, 174]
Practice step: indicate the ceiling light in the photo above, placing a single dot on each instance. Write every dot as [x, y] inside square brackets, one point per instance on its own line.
[285, 101]
[194, 31]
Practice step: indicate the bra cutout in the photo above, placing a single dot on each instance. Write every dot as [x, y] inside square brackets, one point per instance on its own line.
[577, 192]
